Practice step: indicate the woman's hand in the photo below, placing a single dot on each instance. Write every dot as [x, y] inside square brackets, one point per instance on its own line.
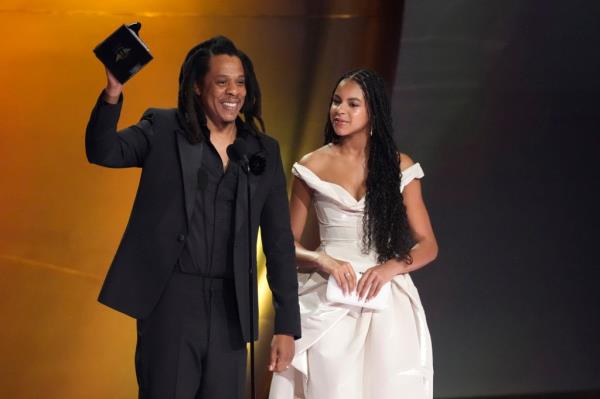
[342, 271]
[373, 279]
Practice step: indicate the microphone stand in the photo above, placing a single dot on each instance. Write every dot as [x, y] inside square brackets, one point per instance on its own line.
[245, 164]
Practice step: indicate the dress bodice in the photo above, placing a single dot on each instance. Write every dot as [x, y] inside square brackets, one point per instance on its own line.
[340, 214]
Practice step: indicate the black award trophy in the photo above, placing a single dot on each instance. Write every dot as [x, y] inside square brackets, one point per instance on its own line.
[123, 52]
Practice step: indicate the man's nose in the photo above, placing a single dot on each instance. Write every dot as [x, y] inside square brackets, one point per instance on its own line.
[232, 88]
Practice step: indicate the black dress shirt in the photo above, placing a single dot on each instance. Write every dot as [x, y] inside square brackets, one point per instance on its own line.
[208, 249]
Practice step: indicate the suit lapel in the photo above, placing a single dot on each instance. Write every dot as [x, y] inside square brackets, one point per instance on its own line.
[256, 148]
[253, 184]
[190, 158]
[241, 202]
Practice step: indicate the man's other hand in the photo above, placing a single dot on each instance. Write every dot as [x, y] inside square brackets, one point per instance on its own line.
[282, 352]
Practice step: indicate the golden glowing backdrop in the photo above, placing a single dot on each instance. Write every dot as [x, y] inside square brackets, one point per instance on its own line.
[61, 218]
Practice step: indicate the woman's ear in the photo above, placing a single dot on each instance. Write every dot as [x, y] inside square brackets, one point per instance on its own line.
[197, 89]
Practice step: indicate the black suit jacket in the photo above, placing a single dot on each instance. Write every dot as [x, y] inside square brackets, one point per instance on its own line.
[159, 221]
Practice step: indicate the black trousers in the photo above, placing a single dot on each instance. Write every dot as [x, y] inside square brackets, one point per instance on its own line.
[191, 347]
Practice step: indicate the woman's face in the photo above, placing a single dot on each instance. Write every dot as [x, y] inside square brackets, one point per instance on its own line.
[223, 89]
[349, 113]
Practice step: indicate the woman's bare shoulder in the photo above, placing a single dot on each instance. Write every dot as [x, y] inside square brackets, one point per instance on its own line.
[317, 159]
[405, 161]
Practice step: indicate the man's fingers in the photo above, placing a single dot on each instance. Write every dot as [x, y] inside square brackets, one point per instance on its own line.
[281, 366]
[282, 363]
[273, 360]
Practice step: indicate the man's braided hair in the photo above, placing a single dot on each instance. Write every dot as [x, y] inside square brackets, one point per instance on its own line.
[193, 70]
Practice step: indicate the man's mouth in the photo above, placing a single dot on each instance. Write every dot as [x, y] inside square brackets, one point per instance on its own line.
[231, 105]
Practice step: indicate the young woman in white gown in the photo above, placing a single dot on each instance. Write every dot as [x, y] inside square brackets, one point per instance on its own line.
[372, 219]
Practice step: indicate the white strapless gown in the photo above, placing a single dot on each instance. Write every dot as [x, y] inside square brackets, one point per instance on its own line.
[349, 352]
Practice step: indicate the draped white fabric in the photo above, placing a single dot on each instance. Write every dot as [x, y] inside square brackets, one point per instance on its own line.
[348, 352]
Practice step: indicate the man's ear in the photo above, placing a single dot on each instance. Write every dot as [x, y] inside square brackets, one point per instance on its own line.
[197, 89]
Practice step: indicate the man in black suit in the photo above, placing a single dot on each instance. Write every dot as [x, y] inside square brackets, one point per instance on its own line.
[182, 266]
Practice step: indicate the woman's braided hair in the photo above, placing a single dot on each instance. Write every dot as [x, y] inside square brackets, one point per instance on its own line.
[385, 223]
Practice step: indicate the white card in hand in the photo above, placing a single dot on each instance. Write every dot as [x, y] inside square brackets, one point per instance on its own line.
[335, 294]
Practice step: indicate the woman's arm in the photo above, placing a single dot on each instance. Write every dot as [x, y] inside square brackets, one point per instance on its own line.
[300, 202]
[426, 249]
[315, 261]
[423, 252]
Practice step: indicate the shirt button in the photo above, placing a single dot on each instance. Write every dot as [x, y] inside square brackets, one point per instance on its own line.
[180, 237]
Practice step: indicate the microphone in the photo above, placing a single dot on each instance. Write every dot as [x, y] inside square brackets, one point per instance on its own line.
[238, 152]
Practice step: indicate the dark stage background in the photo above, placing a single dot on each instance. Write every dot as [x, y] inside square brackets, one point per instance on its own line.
[499, 102]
